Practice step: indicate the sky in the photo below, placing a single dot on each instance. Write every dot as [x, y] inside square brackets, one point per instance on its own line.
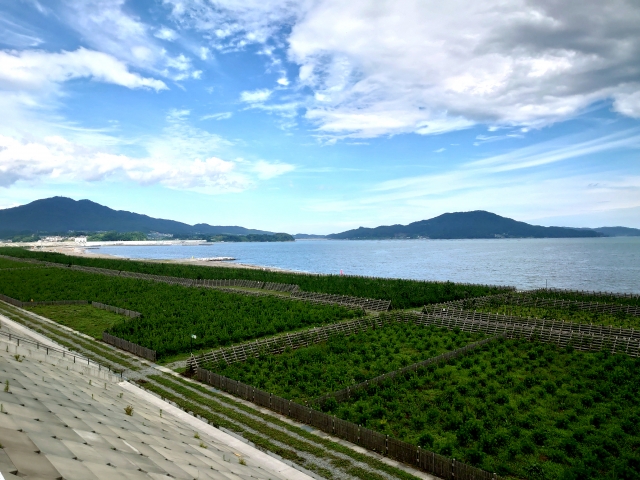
[317, 116]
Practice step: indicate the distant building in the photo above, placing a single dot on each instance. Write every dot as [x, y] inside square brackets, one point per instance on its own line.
[81, 240]
[158, 235]
[53, 239]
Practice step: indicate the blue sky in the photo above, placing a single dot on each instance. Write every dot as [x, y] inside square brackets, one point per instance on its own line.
[317, 116]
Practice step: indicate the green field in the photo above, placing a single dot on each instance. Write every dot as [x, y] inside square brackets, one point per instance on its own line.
[518, 408]
[307, 373]
[83, 318]
[172, 313]
[402, 293]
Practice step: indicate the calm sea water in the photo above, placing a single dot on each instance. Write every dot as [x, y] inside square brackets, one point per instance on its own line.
[608, 264]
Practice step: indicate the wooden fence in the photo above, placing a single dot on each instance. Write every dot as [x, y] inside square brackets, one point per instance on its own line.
[20, 304]
[587, 292]
[12, 301]
[579, 336]
[345, 394]
[281, 287]
[129, 347]
[279, 343]
[368, 304]
[118, 310]
[425, 460]
[102, 306]
[529, 300]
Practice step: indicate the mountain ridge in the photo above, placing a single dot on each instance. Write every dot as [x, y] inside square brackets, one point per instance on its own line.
[62, 214]
[457, 225]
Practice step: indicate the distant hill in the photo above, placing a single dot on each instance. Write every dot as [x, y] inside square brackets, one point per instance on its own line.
[476, 224]
[61, 214]
[618, 231]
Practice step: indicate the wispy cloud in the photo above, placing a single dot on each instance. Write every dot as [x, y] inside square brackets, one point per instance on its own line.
[492, 184]
[217, 116]
[35, 70]
[256, 96]
[527, 157]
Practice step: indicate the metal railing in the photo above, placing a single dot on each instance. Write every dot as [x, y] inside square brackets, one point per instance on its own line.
[65, 353]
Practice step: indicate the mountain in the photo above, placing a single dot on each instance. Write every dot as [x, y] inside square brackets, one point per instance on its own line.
[476, 224]
[618, 231]
[61, 214]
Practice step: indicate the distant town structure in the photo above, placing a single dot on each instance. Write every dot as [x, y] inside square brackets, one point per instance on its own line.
[53, 239]
[81, 240]
[158, 235]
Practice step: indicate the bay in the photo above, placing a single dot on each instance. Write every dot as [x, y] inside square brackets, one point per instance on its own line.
[601, 264]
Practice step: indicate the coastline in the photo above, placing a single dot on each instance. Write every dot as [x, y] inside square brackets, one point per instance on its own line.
[78, 251]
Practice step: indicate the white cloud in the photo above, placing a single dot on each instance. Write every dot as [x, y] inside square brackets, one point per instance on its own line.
[234, 24]
[628, 104]
[424, 66]
[255, 96]
[108, 26]
[180, 157]
[36, 70]
[217, 116]
[266, 170]
[56, 158]
[283, 81]
[165, 33]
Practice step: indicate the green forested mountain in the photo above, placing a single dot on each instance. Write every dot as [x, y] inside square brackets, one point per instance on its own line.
[476, 224]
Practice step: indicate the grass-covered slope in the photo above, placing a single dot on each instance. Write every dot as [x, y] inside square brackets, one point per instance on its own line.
[171, 313]
[83, 318]
[402, 293]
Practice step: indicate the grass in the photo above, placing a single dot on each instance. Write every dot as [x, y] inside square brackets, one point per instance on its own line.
[83, 318]
[306, 373]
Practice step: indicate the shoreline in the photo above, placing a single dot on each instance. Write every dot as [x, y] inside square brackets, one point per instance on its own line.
[78, 251]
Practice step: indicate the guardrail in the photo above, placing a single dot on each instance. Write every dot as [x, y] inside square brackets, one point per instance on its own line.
[65, 353]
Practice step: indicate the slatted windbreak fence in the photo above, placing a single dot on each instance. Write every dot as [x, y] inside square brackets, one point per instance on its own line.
[127, 346]
[425, 460]
[368, 304]
[18, 303]
[279, 343]
[528, 300]
[587, 292]
[579, 336]
[118, 310]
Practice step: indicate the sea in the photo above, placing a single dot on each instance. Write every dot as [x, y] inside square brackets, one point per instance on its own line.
[609, 264]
